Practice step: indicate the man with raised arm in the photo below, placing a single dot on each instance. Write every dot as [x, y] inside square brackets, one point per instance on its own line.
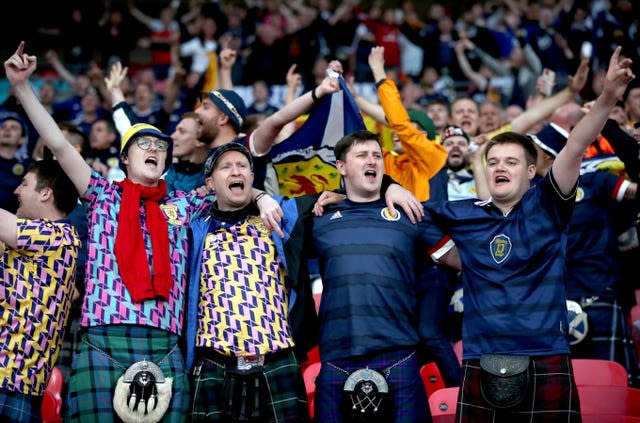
[132, 313]
[516, 363]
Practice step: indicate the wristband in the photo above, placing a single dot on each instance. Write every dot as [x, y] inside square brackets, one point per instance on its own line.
[259, 196]
[314, 97]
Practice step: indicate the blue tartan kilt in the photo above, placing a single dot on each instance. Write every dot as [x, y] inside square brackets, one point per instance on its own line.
[406, 389]
[20, 408]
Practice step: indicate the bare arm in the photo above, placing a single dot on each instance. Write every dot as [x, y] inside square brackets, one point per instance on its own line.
[452, 259]
[19, 67]
[294, 80]
[264, 136]
[137, 13]
[54, 61]
[545, 107]
[630, 192]
[227, 59]
[475, 77]
[8, 229]
[566, 167]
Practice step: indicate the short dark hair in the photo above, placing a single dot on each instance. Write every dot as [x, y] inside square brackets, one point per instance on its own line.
[530, 152]
[49, 174]
[344, 145]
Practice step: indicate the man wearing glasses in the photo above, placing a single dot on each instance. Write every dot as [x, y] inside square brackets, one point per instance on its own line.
[132, 312]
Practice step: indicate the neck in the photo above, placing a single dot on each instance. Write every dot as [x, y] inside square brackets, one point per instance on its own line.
[197, 156]
[8, 152]
[224, 136]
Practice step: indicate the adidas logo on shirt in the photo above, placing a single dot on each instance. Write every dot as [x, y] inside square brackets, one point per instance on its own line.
[336, 215]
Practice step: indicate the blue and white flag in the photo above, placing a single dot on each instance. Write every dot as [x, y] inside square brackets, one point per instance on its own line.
[304, 162]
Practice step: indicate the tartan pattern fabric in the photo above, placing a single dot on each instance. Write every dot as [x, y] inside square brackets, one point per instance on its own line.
[36, 280]
[19, 408]
[243, 308]
[94, 374]
[406, 389]
[553, 398]
[285, 383]
[609, 337]
[107, 300]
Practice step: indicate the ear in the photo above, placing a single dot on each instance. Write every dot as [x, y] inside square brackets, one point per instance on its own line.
[209, 183]
[531, 171]
[340, 165]
[46, 194]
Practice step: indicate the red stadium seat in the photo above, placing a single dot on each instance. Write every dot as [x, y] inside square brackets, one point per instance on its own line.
[599, 372]
[52, 400]
[443, 405]
[608, 418]
[310, 374]
[431, 378]
[609, 400]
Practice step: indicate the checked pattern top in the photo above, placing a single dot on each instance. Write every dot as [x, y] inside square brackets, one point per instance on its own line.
[243, 308]
[107, 300]
[35, 293]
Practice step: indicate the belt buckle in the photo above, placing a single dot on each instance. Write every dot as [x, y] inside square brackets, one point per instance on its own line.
[246, 362]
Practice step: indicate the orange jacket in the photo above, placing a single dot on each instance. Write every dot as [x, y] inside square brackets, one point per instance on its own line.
[421, 158]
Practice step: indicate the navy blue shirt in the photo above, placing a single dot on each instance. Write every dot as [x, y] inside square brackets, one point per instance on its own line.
[591, 245]
[512, 269]
[367, 264]
[11, 173]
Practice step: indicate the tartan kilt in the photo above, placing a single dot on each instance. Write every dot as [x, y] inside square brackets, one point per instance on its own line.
[16, 407]
[288, 400]
[553, 398]
[609, 337]
[94, 375]
[408, 398]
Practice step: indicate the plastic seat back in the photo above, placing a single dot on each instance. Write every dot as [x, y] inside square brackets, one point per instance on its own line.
[310, 373]
[609, 400]
[443, 405]
[431, 378]
[52, 399]
[595, 372]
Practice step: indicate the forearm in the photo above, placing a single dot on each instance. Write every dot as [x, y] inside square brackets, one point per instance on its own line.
[40, 118]
[541, 111]
[374, 110]
[224, 78]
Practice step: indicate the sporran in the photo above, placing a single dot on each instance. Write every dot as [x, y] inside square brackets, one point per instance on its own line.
[245, 395]
[504, 379]
[142, 393]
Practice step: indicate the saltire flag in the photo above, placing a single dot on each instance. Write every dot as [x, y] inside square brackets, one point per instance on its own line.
[304, 162]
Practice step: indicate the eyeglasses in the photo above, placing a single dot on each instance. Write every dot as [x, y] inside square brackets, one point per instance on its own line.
[145, 143]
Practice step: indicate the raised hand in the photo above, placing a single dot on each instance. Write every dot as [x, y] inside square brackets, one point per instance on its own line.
[578, 80]
[618, 76]
[20, 66]
[227, 56]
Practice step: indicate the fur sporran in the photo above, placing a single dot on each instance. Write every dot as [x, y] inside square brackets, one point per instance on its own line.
[142, 393]
[366, 397]
[504, 379]
[245, 396]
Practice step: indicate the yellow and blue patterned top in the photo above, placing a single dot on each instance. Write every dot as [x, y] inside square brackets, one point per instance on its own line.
[36, 282]
[243, 308]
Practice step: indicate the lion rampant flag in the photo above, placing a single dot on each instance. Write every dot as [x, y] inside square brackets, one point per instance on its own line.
[304, 162]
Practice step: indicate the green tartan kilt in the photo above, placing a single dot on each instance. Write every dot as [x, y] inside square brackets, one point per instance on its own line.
[288, 401]
[94, 374]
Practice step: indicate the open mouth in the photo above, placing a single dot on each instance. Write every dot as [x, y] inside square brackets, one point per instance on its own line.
[501, 180]
[236, 187]
[151, 161]
[370, 174]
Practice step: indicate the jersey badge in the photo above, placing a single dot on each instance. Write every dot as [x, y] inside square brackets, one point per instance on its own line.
[500, 248]
[388, 215]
